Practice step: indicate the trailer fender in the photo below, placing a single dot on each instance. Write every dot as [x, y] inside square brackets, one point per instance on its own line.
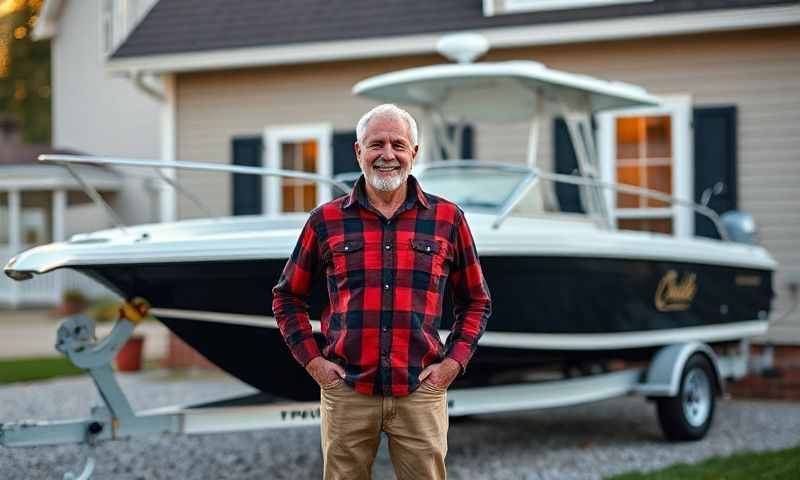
[663, 376]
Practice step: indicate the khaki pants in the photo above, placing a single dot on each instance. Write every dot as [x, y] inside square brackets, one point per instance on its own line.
[416, 427]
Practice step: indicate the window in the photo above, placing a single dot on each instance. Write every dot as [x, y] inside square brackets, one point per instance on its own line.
[299, 195]
[649, 148]
[498, 7]
[304, 148]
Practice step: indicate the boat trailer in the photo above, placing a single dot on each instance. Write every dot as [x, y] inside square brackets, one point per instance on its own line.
[667, 380]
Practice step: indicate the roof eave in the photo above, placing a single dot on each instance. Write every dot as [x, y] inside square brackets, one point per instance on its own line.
[505, 37]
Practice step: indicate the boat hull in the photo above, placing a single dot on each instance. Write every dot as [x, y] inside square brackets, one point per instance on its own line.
[546, 310]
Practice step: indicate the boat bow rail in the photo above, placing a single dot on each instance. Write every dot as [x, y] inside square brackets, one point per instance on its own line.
[532, 175]
[530, 179]
[160, 166]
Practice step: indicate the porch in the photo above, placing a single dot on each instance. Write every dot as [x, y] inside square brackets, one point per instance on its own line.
[41, 204]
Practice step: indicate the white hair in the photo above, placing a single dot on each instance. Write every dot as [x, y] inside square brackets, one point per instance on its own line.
[388, 110]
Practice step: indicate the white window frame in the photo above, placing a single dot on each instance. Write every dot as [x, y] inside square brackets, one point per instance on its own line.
[491, 8]
[679, 108]
[274, 136]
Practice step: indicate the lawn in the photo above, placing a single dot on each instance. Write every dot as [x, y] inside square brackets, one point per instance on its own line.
[32, 369]
[777, 465]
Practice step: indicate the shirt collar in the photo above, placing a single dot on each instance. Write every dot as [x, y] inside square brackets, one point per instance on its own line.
[414, 193]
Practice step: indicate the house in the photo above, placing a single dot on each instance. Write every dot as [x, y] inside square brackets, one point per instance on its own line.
[268, 83]
[92, 113]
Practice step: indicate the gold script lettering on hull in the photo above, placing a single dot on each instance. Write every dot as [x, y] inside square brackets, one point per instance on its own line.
[672, 295]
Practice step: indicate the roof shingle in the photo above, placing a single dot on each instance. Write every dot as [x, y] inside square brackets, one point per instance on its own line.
[182, 26]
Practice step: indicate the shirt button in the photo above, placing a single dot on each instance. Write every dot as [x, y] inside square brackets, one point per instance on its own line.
[388, 247]
[386, 286]
[385, 329]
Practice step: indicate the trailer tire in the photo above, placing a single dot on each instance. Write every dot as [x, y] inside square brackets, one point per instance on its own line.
[688, 416]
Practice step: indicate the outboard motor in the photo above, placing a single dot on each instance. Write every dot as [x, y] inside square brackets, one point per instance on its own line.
[741, 227]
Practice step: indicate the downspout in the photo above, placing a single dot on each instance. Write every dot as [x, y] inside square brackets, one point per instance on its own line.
[163, 91]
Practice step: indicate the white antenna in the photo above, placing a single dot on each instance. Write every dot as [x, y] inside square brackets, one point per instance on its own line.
[463, 47]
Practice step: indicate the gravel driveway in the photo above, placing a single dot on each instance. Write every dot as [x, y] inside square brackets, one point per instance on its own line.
[585, 442]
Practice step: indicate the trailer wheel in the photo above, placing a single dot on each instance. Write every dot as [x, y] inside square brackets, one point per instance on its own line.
[688, 416]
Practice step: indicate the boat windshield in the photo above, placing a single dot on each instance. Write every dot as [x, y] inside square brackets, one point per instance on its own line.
[473, 187]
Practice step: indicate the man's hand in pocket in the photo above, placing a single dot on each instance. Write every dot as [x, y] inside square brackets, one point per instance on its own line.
[441, 374]
[324, 371]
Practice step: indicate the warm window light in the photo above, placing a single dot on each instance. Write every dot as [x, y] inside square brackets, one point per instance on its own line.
[20, 32]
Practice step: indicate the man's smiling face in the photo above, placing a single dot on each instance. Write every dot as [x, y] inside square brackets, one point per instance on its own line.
[387, 153]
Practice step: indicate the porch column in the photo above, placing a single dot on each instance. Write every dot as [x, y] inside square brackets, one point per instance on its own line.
[14, 240]
[59, 212]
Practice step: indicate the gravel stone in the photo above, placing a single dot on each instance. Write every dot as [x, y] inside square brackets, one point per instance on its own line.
[580, 442]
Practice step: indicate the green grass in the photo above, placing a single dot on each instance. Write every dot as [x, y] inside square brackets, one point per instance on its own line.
[32, 369]
[777, 465]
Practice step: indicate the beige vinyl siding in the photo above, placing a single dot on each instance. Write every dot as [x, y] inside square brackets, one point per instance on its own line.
[757, 71]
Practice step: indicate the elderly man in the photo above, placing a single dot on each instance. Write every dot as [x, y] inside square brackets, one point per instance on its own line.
[387, 250]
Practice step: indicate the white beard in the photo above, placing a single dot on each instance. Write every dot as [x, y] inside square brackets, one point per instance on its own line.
[385, 184]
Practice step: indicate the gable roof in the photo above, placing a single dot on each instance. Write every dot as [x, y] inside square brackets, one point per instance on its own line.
[185, 27]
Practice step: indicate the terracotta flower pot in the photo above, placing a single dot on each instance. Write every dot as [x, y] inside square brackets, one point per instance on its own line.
[129, 358]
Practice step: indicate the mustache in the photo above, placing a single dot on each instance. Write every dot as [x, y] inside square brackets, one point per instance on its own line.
[380, 162]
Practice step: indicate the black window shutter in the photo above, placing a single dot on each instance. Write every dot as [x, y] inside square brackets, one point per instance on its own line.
[467, 143]
[569, 197]
[344, 156]
[247, 151]
[714, 161]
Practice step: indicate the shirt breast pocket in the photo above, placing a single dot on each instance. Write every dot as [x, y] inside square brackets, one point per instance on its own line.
[429, 256]
[347, 256]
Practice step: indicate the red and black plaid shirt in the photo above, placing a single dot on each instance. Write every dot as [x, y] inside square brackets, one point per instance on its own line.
[385, 280]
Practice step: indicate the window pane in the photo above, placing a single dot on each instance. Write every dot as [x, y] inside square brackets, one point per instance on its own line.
[629, 137]
[288, 156]
[659, 178]
[309, 157]
[659, 225]
[659, 137]
[299, 195]
[628, 176]
[644, 158]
